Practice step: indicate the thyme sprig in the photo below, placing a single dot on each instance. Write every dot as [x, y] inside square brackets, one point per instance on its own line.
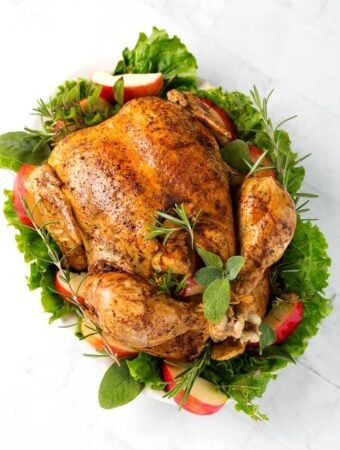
[169, 283]
[179, 220]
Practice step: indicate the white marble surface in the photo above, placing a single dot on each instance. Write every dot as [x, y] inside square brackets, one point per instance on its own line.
[48, 390]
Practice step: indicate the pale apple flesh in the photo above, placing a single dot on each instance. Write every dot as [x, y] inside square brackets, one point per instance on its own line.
[204, 398]
[135, 84]
[285, 317]
[191, 288]
[74, 286]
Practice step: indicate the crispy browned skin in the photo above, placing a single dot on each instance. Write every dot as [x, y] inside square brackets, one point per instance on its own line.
[266, 225]
[150, 156]
[131, 311]
[55, 212]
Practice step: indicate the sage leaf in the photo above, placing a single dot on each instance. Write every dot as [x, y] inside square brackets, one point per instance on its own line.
[19, 147]
[117, 386]
[209, 258]
[216, 300]
[207, 275]
[235, 154]
[267, 336]
[234, 265]
[118, 91]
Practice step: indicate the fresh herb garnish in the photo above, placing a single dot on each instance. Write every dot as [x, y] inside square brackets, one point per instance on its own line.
[161, 53]
[118, 91]
[147, 370]
[185, 380]
[77, 104]
[118, 387]
[216, 297]
[169, 283]
[267, 336]
[18, 147]
[173, 223]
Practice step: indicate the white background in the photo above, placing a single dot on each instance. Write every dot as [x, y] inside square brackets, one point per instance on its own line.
[48, 390]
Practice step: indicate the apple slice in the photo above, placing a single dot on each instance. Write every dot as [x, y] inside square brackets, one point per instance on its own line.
[255, 153]
[204, 398]
[20, 192]
[97, 341]
[222, 116]
[285, 317]
[192, 288]
[135, 84]
[75, 285]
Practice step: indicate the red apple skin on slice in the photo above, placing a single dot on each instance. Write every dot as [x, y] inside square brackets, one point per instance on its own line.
[203, 400]
[222, 116]
[255, 153]
[20, 192]
[76, 282]
[96, 340]
[135, 85]
[192, 288]
[284, 318]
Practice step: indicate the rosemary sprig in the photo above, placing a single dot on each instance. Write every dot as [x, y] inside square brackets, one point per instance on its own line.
[179, 220]
[283, 161]
[186, 379]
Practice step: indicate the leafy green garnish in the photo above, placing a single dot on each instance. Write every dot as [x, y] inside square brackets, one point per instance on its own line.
[18, 147]
[216, 300]
[169, 283]
[237, 154]
[77, 104]
[267, 336]
[147, 369]
[42, 271]
[209, 258]
[118, 90]
[216, 297]
[161, 53]
[118, 387]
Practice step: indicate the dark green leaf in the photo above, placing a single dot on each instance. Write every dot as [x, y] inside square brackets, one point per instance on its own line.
[216, 300]
[118, 90]
[277, 353]
[235, 154]
[146, 369]
[207, 275]
[209, 258]
[117, 386]
[160, 53]
[267, 336]
[234, 265]
[18, 147]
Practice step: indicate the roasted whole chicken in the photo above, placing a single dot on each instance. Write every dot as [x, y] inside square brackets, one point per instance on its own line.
[98, 195]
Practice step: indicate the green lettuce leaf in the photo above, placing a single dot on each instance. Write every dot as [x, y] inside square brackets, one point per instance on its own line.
[161, 53]
[42, 272]
[146, 369]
